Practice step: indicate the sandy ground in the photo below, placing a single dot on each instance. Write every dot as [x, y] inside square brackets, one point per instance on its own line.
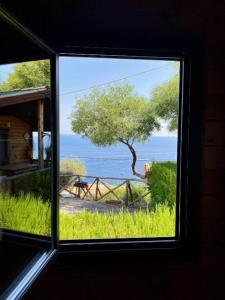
[73, 205]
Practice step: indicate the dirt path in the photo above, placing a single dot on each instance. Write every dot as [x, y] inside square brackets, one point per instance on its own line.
[72, 205]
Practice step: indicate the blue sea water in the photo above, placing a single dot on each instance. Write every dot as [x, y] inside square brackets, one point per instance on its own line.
[115, 161]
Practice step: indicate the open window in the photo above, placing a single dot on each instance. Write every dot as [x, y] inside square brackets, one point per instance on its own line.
[26, 155]
[126, 149]
[96, 153]
[119, 154]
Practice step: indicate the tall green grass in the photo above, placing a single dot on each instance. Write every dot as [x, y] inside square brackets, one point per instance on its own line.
[88, 225]
[29, 214]
[25, 213]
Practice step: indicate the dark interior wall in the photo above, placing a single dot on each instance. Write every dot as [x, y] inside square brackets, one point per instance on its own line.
[138, 277]
[13, 259]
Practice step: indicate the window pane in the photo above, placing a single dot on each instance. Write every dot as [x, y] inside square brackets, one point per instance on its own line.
[25, 147]
[118, 147]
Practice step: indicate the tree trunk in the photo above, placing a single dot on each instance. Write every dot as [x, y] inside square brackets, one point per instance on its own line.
[133, 165]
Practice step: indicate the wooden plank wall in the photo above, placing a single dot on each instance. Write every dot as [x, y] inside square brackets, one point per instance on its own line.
[17, 146]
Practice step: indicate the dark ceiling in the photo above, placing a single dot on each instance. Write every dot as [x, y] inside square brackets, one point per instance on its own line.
[14, 46]
[67, 24]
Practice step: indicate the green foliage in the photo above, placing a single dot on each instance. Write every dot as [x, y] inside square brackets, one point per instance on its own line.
[162, 184]
[29, 214]
[25, 213]
[165, 99]
[37, 183]
[114, 114]
[70, 167]
[28, 75]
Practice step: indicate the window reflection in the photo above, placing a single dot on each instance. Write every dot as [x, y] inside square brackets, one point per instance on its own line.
[25, 147]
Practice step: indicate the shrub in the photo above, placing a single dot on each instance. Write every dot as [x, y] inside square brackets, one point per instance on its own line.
[37, 183]
[69, 168]
[136, 190]
[161, 179]
[121, 193]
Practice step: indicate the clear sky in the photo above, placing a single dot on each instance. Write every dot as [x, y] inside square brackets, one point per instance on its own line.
[79, 74]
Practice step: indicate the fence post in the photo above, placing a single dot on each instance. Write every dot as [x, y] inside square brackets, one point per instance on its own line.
[127, 193]
[96, 191]
[78, 186]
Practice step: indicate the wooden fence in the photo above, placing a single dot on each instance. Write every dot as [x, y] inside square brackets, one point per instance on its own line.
[96, 189]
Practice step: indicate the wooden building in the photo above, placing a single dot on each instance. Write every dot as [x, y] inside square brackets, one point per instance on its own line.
[22, 112]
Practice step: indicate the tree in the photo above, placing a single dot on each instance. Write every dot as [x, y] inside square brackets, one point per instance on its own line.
[165, 99]
[28, 75]
[114, 114]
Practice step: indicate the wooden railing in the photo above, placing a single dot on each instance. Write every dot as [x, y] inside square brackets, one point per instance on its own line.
[97, 189]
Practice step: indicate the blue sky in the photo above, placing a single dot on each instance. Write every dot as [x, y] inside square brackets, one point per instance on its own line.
[78, 73]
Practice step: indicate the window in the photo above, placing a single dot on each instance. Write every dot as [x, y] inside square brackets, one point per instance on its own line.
[25, 163]
[27, 242]
[122, 192]
[181, 172]
[118, 147]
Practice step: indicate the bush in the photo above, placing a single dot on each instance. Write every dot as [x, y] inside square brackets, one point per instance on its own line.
[69, 168]
[37, 183]
[161, 180]
[121, 193]
[136, 190]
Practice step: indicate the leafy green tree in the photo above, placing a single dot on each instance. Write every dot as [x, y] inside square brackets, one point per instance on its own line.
[165, 99]
[28, 75]
[114, 115]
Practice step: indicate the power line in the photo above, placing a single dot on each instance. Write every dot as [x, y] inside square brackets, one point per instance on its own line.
[115, 80]
[115, 158]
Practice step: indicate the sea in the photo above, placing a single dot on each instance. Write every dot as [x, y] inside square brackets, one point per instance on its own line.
[114, 161]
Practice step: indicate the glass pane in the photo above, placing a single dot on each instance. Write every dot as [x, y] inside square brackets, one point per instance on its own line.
[25, 147]
[118, 147]
[25, 166]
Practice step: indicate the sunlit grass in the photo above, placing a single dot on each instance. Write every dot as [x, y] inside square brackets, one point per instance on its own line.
[29, 214]
[25, 213]
[89, 225]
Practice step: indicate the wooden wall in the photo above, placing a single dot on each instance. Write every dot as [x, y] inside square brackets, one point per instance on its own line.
[201, 277]
[17, 146]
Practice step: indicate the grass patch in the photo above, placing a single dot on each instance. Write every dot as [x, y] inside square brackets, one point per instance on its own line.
[29, 214]
[87, 225]
[26, 213]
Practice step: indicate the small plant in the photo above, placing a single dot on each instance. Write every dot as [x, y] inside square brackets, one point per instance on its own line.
[161, 180]
[69, 168]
